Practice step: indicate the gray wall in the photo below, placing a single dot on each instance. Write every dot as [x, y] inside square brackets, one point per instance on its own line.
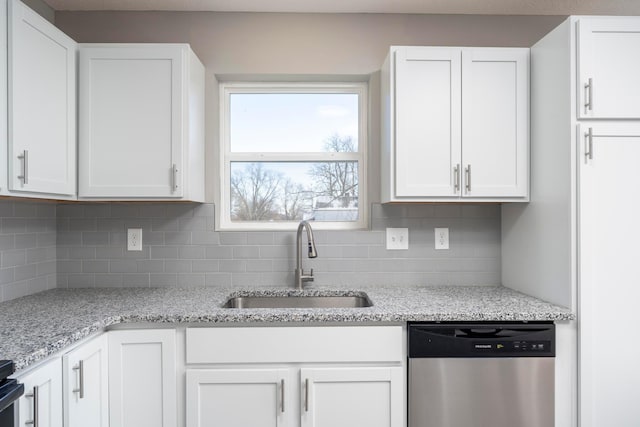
[42, 8]
[180, 248]
[27, 248]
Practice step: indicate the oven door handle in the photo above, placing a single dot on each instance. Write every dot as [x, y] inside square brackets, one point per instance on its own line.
[10, 395]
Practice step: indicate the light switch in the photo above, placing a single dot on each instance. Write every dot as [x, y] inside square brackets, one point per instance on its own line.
[397, 239]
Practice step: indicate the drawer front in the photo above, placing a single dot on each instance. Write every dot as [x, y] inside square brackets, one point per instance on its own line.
[294, 344]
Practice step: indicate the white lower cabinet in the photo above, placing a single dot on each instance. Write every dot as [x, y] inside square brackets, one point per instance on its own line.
[85, 386]
[41, 405]
[353, 396]
[238, 397]
[295, 377]
[142, 378]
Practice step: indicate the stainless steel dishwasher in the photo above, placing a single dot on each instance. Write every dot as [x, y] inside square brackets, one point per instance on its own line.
[481, 374]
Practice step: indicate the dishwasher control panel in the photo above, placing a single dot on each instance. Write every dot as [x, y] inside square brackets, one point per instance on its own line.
[481, 340]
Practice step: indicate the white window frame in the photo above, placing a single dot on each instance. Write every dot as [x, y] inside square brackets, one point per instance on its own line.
[226, 157]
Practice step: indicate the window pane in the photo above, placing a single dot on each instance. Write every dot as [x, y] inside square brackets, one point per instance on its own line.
[293, 122]
[293, 191]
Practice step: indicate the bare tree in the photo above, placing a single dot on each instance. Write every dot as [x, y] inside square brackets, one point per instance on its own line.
[296, 201]
[254, 193]
[338, 181]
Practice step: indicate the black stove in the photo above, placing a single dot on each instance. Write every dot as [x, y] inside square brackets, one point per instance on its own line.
[10, 391]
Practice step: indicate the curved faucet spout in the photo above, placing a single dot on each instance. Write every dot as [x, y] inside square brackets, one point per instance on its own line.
[300, 277]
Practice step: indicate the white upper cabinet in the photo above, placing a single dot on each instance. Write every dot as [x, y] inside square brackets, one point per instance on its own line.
[495, 124]
[427, 116]
[41, 105]
[455, 124]
[141, 122]
[608, 68]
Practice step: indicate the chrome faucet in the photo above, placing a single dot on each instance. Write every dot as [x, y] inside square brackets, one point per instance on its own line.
[300, 276]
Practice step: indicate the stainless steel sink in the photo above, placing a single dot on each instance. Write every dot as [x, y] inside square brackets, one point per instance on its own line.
[299, 301]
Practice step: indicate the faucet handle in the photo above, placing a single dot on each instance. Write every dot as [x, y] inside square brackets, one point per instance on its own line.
[311, 273]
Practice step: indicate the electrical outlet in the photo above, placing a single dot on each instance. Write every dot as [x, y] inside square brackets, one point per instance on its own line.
[397, 239]
[442, 238]
[134, 239]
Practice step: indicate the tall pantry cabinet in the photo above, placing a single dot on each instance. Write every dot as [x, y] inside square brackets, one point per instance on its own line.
[575, 243]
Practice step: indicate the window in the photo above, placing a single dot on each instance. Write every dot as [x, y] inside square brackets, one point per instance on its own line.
[290, 152]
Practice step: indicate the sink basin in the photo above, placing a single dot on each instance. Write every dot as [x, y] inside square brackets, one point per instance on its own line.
[299, 301]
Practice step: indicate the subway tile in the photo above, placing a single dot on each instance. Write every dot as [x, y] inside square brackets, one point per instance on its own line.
[204, 209]
[14, 258]
[164, 224]
[260, 265]
[82, 224]
[71, 266]
[25, 272]
[191, 252]
[191, 280]
[15, 290]
[205, 238]
[46, 268]
[270, 252]
[218, 279]
[95, 238]
[124, 210]
[7, 275]
[219, 252]
[123, 266]
[246, 252]
[233, 238]
[150, 266]
[74, 210]
[109, 224]
[163, 279]
[45, 210]
[205, 266]
[260, 238]
[26, 241]
[101, 210]
[7, 242]
[138, 280]
[180, 210]
[81, 280]
[177, 238]
[109, 280]
[164, 252]
[152, 210]
[106, 252]
[232, 265]
[94, 266]
[6, 208]
[192, 224]
[37, 284]
[46, 239]
[154, 238]
[25, 210]
[172, 266]
[36, 255]
[14, 225]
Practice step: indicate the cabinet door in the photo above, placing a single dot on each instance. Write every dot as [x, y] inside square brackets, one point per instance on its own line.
[347, 397]
[608, 68]
[238, 397]
[609, 232]
[142, 378]
[85, 385]
[495, 125]
[131, 121]
[427, 120]
[42, 105]
[41, 405]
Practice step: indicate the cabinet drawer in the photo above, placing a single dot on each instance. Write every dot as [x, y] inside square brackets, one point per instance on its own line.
[294, 344]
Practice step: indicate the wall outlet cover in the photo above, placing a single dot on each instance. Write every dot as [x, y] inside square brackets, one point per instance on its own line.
[134, 239]
[442, 238]
[397, 239]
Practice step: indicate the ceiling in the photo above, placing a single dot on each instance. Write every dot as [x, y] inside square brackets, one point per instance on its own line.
[483, 7]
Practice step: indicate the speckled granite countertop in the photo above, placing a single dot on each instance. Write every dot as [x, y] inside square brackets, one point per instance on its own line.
[36, 326]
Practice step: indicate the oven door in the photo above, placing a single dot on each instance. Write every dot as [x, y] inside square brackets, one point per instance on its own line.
[10, 391]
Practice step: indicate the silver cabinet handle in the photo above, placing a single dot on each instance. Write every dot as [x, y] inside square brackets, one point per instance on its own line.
[306, 395]
[80, 369]
[174, 178]
[588, 103]
[34, 395]
[282, 395]
[467, 178]
[25, 167]
[588, 151]
[456, 178]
